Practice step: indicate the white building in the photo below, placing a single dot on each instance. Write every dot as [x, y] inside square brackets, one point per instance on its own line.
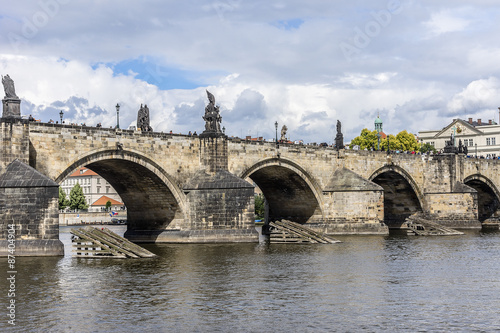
[93, 186]
[481, 138]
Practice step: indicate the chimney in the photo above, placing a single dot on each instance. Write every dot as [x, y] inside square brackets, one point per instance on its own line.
[470, 119]
[479, 122]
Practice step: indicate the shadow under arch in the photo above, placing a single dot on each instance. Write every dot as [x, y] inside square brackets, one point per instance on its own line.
[402, 197]
[152, 199]
[488, 196]
[291, 193]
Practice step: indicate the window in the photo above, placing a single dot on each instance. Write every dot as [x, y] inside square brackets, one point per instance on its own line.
[98, 189]
[107, 189]
[490, 141]
[98, 180]
[431, 143]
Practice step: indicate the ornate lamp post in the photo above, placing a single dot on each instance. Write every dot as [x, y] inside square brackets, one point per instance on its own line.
[224, 129]
[117, 115]
[61, 114]
[276, 127]
[476, 150]
[378, 128]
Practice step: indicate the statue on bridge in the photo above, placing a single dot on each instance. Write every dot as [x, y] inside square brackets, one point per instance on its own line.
[449, 146]
[8, 86]
[339, 138]
[283, 133]
[212, 116]
[11, 103]
[143, 119]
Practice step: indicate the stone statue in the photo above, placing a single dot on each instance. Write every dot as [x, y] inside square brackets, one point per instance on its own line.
[283, 133]
[11, 103]
[449, 146]
[143, 119]
[212, 116]
[339, 138]
[8, 86]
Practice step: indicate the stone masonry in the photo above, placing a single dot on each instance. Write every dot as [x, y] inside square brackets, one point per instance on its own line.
[159, 175]
[29, 202]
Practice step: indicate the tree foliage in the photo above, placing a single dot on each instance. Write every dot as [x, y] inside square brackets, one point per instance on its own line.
[427, 148]
[403, 141]
[407, 141]
[108, 205]
[260, 206]
[77, 198]
[366, 140]
[390, 141]
[63, 201]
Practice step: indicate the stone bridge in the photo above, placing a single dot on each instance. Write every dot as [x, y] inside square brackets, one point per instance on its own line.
[180, 188]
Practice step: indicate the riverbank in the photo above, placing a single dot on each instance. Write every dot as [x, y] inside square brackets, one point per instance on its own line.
[84, 218]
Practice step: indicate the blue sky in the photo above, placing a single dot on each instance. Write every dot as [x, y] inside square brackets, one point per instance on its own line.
[419, 64]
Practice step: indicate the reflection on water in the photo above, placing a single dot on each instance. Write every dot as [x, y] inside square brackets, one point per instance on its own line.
[371, 284]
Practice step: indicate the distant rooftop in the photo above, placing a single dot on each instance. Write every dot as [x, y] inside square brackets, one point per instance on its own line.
[102, 201]
[81, 172]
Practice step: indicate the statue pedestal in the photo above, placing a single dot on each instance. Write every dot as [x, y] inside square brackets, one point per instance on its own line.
[11, 108]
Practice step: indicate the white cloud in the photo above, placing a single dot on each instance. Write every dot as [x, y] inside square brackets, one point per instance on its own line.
[480, 97]
[292, 72]
[445, 21]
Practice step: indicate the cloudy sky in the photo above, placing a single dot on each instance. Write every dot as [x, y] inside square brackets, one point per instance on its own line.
[306, 64]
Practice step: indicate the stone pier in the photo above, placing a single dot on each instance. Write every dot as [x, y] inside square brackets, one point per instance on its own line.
[29, 213]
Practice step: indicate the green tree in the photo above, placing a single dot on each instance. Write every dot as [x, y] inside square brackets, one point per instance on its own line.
[77, 198]
[260, 206]
[63, 201]
[407, 140]
[108, 205]
[427, 148]
[366, 140]
[392, 141]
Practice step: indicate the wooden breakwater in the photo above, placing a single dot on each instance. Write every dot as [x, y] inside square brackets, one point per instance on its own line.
[91, 242]
[285, 231]
[418, 226]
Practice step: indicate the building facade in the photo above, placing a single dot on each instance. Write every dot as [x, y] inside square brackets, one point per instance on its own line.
[482, 139]
[93, 186]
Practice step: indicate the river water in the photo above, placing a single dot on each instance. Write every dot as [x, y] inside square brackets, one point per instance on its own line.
[364, 284]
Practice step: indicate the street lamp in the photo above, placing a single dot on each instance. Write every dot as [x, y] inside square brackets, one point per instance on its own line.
[61, 114]
[476, 150]
[276, 127]
[224, 129]
[117, 115]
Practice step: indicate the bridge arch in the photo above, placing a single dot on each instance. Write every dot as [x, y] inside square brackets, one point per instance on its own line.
[290, 191]
[488, 196]
[152, 199]
[402, 197]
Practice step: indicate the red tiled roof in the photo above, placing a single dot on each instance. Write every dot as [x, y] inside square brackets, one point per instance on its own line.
[102, 201]
[86, 172]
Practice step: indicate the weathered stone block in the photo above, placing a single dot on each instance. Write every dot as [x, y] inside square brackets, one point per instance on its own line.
[30, 206]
